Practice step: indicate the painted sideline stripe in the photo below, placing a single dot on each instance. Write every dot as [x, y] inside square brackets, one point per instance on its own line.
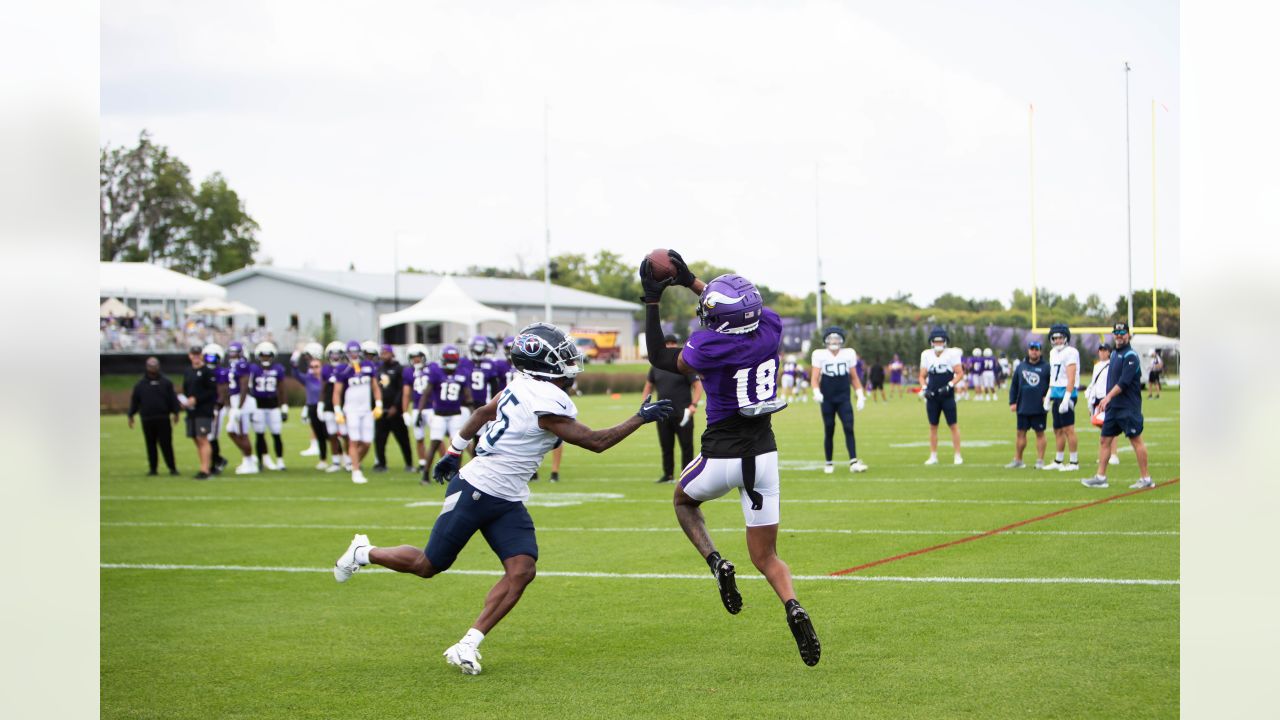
[701, 577]
[814, 531]
[1004, 529]
[665, 501]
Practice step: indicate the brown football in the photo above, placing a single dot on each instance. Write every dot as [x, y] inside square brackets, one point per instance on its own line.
[660, 264]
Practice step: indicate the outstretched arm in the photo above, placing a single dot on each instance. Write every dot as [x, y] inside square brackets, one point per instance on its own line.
[575, 433]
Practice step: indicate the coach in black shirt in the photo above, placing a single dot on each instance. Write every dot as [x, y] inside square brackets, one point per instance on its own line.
[391, 377]
[154, 400]
[200, 387]
[684, 392]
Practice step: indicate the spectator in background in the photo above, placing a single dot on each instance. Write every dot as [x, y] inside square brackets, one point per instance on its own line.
[876, 383]
[1153, 376]
[1098, 388]
[391, 377]
[200, 397]
[154, 400]
[307, 370]
[897, 374]
[684, 392]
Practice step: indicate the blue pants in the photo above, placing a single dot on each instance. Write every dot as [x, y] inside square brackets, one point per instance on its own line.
[843, 408]
[505, 525]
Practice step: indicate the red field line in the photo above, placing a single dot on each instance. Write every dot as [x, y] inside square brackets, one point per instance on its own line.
[1006, 528]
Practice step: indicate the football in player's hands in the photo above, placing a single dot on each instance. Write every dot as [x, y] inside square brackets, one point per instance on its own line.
[660, 265]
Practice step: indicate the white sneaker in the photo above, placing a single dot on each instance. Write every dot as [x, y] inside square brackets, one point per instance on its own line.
[1015, 464]
[334, 467]
[857, 466]
[1095, 482]
[1069, 467]
[358, 477]
[933, 460]
[346, 464]
[279, 464]
[959, 460]
[1055, 465]
[1039, 464]
[311, 451]
[346, 566]
[828, 468]
[1115, 459]
[1143, 483]
[268, 462]
[465, 657]
[322, 465]
[247, 467]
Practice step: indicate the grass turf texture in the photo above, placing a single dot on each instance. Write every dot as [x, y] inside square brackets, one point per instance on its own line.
[236, 644]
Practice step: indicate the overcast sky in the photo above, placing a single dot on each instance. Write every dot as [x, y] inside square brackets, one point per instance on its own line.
[349, 128]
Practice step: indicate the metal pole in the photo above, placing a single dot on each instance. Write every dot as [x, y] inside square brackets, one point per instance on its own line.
[1031, 194]
[1128, 192]
[546, 205]
[817, 241]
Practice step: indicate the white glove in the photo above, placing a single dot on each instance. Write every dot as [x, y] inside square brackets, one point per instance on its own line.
[410, 418]
[688, 415]
[1048, 402]
[1064, 407]
[817, 395]
[306, 413]
[862, 400]
[320, 409]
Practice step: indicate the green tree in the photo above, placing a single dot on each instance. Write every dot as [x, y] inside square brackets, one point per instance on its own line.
[222, 236]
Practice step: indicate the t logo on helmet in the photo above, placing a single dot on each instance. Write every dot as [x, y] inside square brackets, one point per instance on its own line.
[528, 344]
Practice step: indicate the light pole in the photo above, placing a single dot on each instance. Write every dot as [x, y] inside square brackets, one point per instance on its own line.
[546, 206]
[817, 242]
[1128, 192]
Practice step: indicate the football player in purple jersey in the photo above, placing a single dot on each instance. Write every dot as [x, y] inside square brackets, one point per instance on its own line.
[506, 371]
[736, 353]
[334, 355]
[265, 383]
[448, 394]
[240, 408]
[414, 384]
[357, 401]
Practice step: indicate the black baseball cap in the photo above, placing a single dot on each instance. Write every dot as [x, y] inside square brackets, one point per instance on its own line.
[1106, 346]
[195, 350]
[1121, 328]
[671, 338]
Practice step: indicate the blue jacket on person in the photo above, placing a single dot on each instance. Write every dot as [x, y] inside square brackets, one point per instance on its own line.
[1126, 371]
[1030, 381]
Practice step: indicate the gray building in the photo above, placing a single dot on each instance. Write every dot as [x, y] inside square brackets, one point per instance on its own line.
[350, 303]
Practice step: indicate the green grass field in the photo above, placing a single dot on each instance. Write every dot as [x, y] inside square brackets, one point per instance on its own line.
[1029, 623]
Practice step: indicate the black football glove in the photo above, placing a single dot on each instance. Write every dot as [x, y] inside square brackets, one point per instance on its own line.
[652, 287]
[651, 411]
[447, 466]
[684, 276]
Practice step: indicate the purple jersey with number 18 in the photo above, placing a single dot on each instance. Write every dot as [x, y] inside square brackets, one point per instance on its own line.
[736, 370]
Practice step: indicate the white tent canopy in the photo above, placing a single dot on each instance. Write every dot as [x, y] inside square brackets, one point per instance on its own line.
[114, 308]
[210, 306]
[152, 282]
[1144, 344]
[448, 303]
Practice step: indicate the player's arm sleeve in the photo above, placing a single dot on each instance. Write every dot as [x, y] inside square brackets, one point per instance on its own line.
[135, 400]
[660, 356]
[1131, 371]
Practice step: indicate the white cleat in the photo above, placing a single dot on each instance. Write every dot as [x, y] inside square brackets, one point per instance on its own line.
[247, 468]
[1143, 483]
[346, 465]
[828, 468]
[1069, 467]
[279, 464]
[1015, 464]
[310, 452]
[933, 460]
[1039, 464]
[959, 460]
[322, 465]
[346, 566]
[1115, 460]
[857, 466]
[269, 463]
[358, 477]
[464, 657]
[1055, 465]
[1095, 482]
[334, 467]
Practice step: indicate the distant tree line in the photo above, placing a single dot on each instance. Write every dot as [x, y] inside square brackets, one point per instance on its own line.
[151, 211]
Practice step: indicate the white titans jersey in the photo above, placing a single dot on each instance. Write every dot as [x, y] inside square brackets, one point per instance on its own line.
[510, 447]
[1059, 359]
[834, 365]
[940, 368]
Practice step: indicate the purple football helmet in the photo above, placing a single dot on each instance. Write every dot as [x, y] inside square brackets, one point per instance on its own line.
[478, 347]
[235, 350]
[353, 349]
[730, 304]
[450, 357]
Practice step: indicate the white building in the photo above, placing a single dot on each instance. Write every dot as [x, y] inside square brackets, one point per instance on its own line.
[150, 289]
[350, 303]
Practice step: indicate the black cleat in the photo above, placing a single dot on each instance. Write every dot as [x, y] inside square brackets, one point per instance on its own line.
[664, 479]
[555, 477]
[729, 595]
[806, 638]
[202, 476]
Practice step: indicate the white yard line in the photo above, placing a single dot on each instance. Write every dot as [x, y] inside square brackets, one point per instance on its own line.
[701, 577]
[807, 531]
[665, 501]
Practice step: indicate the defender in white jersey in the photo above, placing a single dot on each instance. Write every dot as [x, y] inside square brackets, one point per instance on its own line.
[941, 372]
[832, 374]
[514, 431]
[1064, 371]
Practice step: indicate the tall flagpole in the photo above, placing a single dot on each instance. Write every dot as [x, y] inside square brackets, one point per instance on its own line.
[1128, 191]
[546, 206]
[1031, 193]
[817, 241]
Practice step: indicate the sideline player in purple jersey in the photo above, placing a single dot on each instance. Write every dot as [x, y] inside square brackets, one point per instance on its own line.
[506, 371]
[415, 383]
[339, 460]
[240, 408]
[447, 394]
[736, 353]
[265, 384]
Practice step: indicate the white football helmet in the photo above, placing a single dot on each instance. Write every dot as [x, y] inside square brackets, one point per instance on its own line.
[313, 349]
[977, 352]
[986, 352]
[369, 347]
[417, 350]
[213, 353]
[265, 351]
[333, 351]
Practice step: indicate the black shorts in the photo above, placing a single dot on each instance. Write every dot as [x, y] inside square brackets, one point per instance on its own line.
[1128, 423]
[199, 427]
[1154, 377]
[505, 525]
[1033, 422]
[945, 406]
[1066, 419]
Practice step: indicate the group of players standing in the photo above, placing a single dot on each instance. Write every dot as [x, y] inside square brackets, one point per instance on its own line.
[357, 394]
